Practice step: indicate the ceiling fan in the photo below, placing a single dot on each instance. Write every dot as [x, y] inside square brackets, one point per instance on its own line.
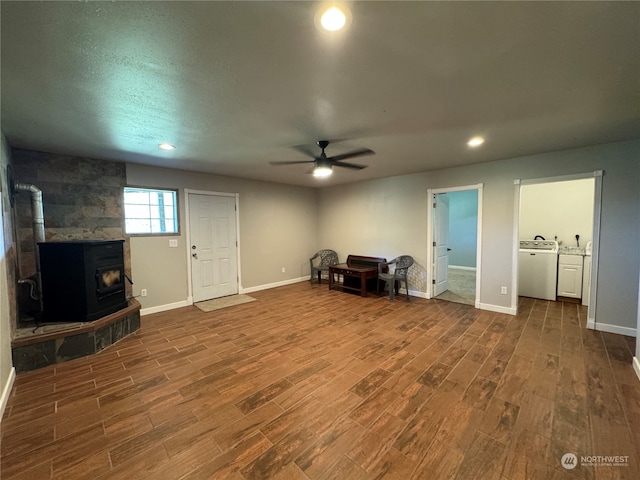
[323, 165]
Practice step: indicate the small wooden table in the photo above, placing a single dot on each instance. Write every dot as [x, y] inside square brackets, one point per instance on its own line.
[357, 267]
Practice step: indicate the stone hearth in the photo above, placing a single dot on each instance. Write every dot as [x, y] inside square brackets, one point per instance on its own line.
[45, 345]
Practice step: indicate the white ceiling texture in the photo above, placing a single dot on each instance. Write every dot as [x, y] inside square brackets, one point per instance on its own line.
[236, 85]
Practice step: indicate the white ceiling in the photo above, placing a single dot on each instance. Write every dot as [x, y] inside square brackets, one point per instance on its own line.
[235, 85]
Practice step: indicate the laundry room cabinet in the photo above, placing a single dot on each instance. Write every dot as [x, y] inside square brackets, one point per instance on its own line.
[570, 276]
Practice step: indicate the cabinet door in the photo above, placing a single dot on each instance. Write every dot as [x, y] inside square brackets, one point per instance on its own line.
[570, 281]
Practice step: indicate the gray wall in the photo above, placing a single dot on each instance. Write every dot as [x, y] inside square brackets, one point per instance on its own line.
[389, 217]
[278, 228]
[463, 227]
[8, 308]
[380, 218]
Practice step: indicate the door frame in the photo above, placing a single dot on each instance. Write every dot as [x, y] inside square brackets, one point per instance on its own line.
[595, 242]
[430, 231]
[187, 192]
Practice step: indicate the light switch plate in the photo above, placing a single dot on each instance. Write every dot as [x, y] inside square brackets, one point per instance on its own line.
[173, 242]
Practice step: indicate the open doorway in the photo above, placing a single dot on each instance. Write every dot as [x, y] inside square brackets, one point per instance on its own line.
[454, 224]
[563, 211]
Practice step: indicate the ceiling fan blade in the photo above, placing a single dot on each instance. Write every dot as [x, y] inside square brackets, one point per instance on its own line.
[291, 162]
[356, 153]
[349, 165]
[308, 150]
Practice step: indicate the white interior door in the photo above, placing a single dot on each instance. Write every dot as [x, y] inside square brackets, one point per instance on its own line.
[441, 243]
[212, 230]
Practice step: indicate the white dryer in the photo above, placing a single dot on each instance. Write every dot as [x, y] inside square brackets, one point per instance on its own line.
[538, 269]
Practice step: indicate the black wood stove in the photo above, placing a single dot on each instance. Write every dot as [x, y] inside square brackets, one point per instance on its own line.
[82, 280]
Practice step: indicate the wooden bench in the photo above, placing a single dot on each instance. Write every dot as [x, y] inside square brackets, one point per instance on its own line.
[359, 274]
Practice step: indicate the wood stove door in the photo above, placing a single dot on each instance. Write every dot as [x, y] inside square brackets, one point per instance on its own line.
[213, 248]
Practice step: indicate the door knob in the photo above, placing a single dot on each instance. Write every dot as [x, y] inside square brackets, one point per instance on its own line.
[194, 255]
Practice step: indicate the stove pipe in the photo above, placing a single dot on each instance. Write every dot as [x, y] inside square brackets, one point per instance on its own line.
[37, 214]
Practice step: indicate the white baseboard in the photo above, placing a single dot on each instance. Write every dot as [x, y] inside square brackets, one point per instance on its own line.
[497, 308]
[6, 391]
[189, 300]
[274, 285]
[164, 308]
[460, 267]
[416, 293]
[607, 327]
[636, 366]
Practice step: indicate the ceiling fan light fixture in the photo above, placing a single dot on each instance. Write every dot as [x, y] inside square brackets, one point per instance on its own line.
[322, 164]
[475, 142]
[322, 171]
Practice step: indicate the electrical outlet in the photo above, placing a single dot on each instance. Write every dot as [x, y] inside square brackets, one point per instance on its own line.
[503, 290]
[282, 269]
[143, 292]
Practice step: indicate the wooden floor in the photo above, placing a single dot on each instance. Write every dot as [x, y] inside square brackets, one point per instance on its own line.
[306, 383]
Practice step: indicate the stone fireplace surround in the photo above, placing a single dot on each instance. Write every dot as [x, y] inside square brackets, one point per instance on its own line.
[82, 200]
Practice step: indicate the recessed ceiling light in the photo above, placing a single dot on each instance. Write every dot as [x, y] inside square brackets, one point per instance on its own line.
[167, 146]
[475, 142]
[333, 19]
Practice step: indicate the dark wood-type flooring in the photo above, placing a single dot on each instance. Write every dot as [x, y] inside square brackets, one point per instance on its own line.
[307, 383]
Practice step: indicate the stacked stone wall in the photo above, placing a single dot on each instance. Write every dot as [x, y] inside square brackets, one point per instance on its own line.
[82, 198]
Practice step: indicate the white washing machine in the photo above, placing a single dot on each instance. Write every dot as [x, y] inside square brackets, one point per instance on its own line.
[538, 269]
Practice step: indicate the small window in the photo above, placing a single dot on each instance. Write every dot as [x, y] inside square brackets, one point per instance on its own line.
[150, 211]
